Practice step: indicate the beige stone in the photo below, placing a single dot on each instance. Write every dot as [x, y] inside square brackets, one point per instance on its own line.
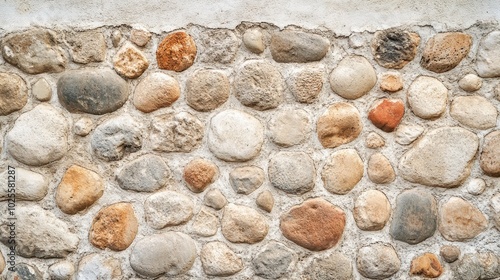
[372, 210]
[339, 124]
[342, 171]
[205, 224]
[449, 253]
[2, 263]
[391, 82]
[444, 51]
[207, 89]
[490, 155]
[427, 97]
[374, 141]
[380, 170]
[199, 173]
[470, 82]
[87, 46]
[13, 93]
[242, 224]
[215, 199]
[218, 259]
[459, 220]
[265, 201]
[474, 111]
[140, 37]
[253, 40]
[289, 127]
[156, 91]
[130, 62]
[306, 84]
[41, 90]
[353, 77]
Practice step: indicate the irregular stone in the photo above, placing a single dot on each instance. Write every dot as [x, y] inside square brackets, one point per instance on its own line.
[336, 266]
[130, 62]
[62, 270]
[490, 154]
[2, 263]
[380, 170]
[167, 208]
[96, 91]
[116, 38]
[19, 49]
[83, 126]
[207, 89]
[477, 266]
[95, 266]
[87, 46]
[407, 133]
[444, 51]
[29, 185]
[378, 261]
[205, 224]
[181, 132]
[374, 141]
[114, 227]
[39, 136]
[427, 97]
[306, 85]
[242, 224]
[199, 173]
[315, 224]
[176, 52]
[245, 180]
[426, 265]
[259, 85]
[148, 173]
[215, 199]
[339, 124]
[474, 111]
[386, 114]
[265, 201]
[470, 83]
[169, 253]
[442, 158]
[391, 82]
[342, 171]
[22, 271]
[218, 259]
[252, 39]
[115, 137]
[495, 207]
[476, 186]
[394, 48]
[415, 217]
[274, 261]
[140, 37]
[235, 136]
[292, 172]
[296, 46]
[449, 253]
[356, 41]
[41, 234]
[489, 264]
[289, 128]
[487, 59]
[459, 220]
[13, 93]
[353, 77]
[78, 190]
[372, 210]
[156, 91]
[41, 90]
[218, 45]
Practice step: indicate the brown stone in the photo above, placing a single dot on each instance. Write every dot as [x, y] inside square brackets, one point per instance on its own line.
[340, 124]
[444, 51]
[372, 210]
[460, 220]
[156, 91]
[342, 171]
[391, 82]
[13, 93]
[449, 253]
[316, 224]
[386, 114]
[265, 201]
[199, 173]
[490, 156]
[426, 265]
[130, 62]
[176, 52]
[380, 170]
[393, 48]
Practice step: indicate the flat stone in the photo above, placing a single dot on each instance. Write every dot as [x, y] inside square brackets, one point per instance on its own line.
[372, 210]
[378, 261]
[114, 227]
[169, 253]
[391, 82]
[380, 170]
[140, 37]
[207, 89]
[95, 266]
[247, 179]
[289, 127]
[415, 217]
[167, 208]
[87, 46]
[176, 52]
[265, 201]
[41, 90]
[442, 158]
[39, 136]
[18, 49]
[407, 133]
[218, 45]
[30, 185]
[339, 124]
[242, 224]
[495, 207]
[353, 77]
[470, 82]
[130, 62]
[156, 91]
[427, 97]
[342, 171]
[386, 114]
[13, 93]
[444, 51]
[253, 41]
[78, 190]
[218, 259]
[22, 271]
[116, 137]
[116, 37]
[147, 173]
[315, 224]
[374, 141]
[476, 186]
[488, 53]
[292, 172]
[235, 136]
[274, 261]
[205, 224]
[459, 220]
[83, 126]
[426, 265]
[41, 234]
[199, 173]
[336, 266]
[215, 199]
[306, 84]
[96, 91]
[490, 154]
[62, 270]
[180, 132]
[449, 253]
[259, 85]
[296, 46]
[394, 48]
[474, 111]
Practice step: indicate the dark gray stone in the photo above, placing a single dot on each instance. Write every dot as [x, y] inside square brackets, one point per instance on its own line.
[246, 179]
[394, 48]
[145, 174]
[336, 266]
[23, 271]
[274, 261]
[296, 46]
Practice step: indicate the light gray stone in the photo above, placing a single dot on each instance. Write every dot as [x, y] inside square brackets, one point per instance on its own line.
[217, 45]
[63, 270]
[207, 89]
[274, 261]
[474, 111]
[242, 224]
[247, 179]
[145, 174]
[353, 77]
[378, 261]
[13, 93]
[23, 271]
[41, 90]
[296, 46]
[156, 91]
[205, 224]
[140, 37]
[306, 84]
[218, 259]
[83, 126]
[181, 132]
[476, 186]
[488, 56]
[116, 37]
[87, 46]
[336, 266]
[342, 171]
[215, 199]
[29, 185]
[407, 133]
[449, 253]
[252, 39]
[427, 97]
[289, 128]
[292, 172]
[470, 82]
[480, 266]
[95, 266]
[167, 208]
[265, 201]
[372, 210]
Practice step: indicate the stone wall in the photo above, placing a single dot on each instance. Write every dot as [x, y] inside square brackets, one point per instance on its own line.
[253, 152]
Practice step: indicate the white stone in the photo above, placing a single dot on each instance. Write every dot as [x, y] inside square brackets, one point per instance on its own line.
[252, 38]
[289, 128]
[488, 56]
[95, 266]
[62, 270]
[474, 111]
[407, 133]
[470, 82]
[427, 97]
[218, 259]
[83, 126]
[29, 185]
[372, 210]
[378, 261]
[167, 208]
[205, 224]
[476, 186]
[353, 77]
[41, 90]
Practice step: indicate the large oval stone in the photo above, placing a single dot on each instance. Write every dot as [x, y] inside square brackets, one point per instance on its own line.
[490, 155]
[394, 48]
[207, 89]
[342, 171]
[242, 224]
[295, 46]
[29, 185]
[372, 210]
[444, 51]
[339, 124]
[145, 174]
[156, 91]
[13, 93]
[460, 220]
[353, 77]
[176, 52]
[474, 111]
[167, 208]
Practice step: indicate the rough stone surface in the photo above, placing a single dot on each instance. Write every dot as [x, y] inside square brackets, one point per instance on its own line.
[407, 133]
[265, 201]
[181, 132]
[490, 155]
[95, 266]
[374, 141]
[242, 224]
[87, 46]
[482, 265]
[306, 84]
[62, 270]
[488, 56]
[83, 126]
[205, 224]
[292, 172]
[116, 38]
[167, 208]
[29, 185]
[449, 253]
[470, 83]
[199, 173]
[474, 111]
[215, 199]
[391, 82]
[380, 170]
[22, 271]
[426, 265]
[176, 52]
[253, 41]
[372, 210]
[289, 128]
[378, 261]
[140, 37]
[315, 224]
[495, 207]
[459, 220]
[207, 89]
[353, 77]
[156, 91]
[247, 179]
[41, 90]
[386, 114]
[394, 48]
[336, 266]
[2, 263]
[444, 51]
[218, 45]
[13, 93]
[427, 97]
[295, 46]
[145, 174]
[476, 186]
[274, 261]
[339, 124]
[342, 171]
[130, 62]
[218, 259]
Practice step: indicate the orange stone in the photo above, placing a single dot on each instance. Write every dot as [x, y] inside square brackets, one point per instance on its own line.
[387, 113]
[176, 52]
[391, 82]
[426, 265]
[200, 173]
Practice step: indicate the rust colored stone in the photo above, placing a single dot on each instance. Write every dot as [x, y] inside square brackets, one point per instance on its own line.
[200, 173]
[386, 114]
[426, 265]
[444, 51]
[176, 52]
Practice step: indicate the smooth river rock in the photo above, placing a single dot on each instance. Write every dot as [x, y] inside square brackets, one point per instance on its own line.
[295, 46]
[339, 124]
[167, 208]
[353, 77]
[474, 111]
[488, 56]
[378, 261]
[13, 93]
[460, 220]
[29, 185]
[342, 171]
[490, 154]
[147, 173]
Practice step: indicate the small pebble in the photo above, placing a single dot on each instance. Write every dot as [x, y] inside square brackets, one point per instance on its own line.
[252, 38]
[470, 82]
[374, 141]
[41, 90]
[215, 199]
[476, 186]
[265, 201]
[140, 37]
[83, 126]
[450, 253]
[116, 37]
[391, 82]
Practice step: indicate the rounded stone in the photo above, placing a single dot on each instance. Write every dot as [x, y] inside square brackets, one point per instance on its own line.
[394, 48]
[476, 186]
[470, 83]
[83, 126]
[374, 141]
[156, 91]
[297, 47]
[274, 261]
[339, 124]
[386, 114]
[353, 77]
[41, 90]
[427, 97]
[62, 270]
[306, 84]
[140, 37]
[490, 155]
[259, 85]
[444, 51]
[407, 133]
[378, 261]
[292, 172]
[336, 266]
[217, 259]
[488, 56]
[199, 173]
[449, 253]
[29, 185]
[22, 271]
[217, 45]
[247, 179]
[342, 171]
[242, 224]
[289, 128]
[167, 208]
[315, 224]
[372, 210]
[87, 46]
[459, 220]
[147, 173]
[207, 89]
[235, 136]
[180, 132]
[205, 224]
[13, 93]
[95, 266]
[391, 82]
[176, 52]
[130, 62]
[474, 111]
[215, 199]
[426, 265]
[265, 201]
[380, 170]
[253, 41]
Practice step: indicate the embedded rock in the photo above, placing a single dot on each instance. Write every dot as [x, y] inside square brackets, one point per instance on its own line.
[130, 62]
[13, 93]
[167, 208]
[116, 38]
[378, 261]
[426, 265]
[386, 114]
[289, 128]
[490, 155]
[41, 90]
[470, 83]
[353, 77]
[474, 111]
[62, 270]
[292, 172]
[391, 82]
[407, 133]
[207, 89]
[484, 265]
[372, 210]
[218, 259]
[274, 261]
[449, 253]
[242, 224]
[176, 52]
[252, 39]
[2, 263]
[306, 84]
[83, 126]
[374, 140]
[95, 266]
[336, 266]
[495, 207]
[205, 224]
[245, 180]
[218, 45]
[140, 37]
[22, 271]
[459, 220]
[29, 185]
[265, 201]
[156, 91]
[394, 48]
[340, 124]
[342, 171]
[444, 51]
[488, 56]
[215, 199]
[87, 46]
[199, 173]
[427, 97]
[296, 47]
[380, 170]
[476, 186]
[148, 173]
[181, 132]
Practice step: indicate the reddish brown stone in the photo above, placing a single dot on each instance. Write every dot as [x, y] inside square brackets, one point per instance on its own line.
[444, 51]
[200, 173]
[176, 52]
[426, 265]
[316, 224]
[387, 113]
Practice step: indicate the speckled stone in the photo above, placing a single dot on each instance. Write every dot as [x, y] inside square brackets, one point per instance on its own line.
[297, 47]
[290, 127]
[353, 77]
[247, 179]
[336, 266]
[426, 265]
[176, 52]
[130, 62]
[83, 126]
[427, 97]
[444, 51]
[391, 82]
[394, 48]
[292, 172]
[495, 210]
[217, 259]
[180, 132]
[41, 90]
[460, 220]
[449, 253]
[374, 141]
[380, 170]
[372, 210]
[87, 46]
[474, 111]
[156, 91]
[147, 173]
[490, 154]
[265, 201]
[218, 45]
[476, 186]
[306, 84]
[215, 199]
[242, 224]
[199, 174]
[22, 271]
[13, 93]
[342, 171]
[378, 261]
[386, 114]
[339, 124]
[167, 208]
[274, 261]
[407, 133]
[253, 41]
[487, 59]
[207, 89]
[470, 82]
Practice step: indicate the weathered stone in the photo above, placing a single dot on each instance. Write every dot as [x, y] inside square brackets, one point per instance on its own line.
[83, 126]
[459, 220]
[296, 46]
[336, 266]
[342, 171]
[426, 265]
[96, 91]
[289, 128]
[252, 39]
[374, 141]
[353, 77]
[449, 253]
[207, 89]
[145, 174]
[156, 91]
[140, 37]
[490, 265]
[356, 41]
[181, 132]
[380, 170]
[259, 85]
[130, 62]
[41, 90]
[13, 93]
[167, 208]
[316, 224]
[444, 51]
[242, 224]
[470, 83]
[95, 266]
[87, 46]
[274, 261]
[116, 37]
[29, 185]
[488, 56]
[476, 186]
[78, 190]
[245, 180]
[340, 124]
[215, 199]
[114, 227]
[407, 133]
[35, 51]
[205, 224]
[39, 136]
[372, 210]
[477, 266]
[490, 155]
[391, 82]
[235, 136]
[442, 158]
[474, 111]
[176, 52]
[306, 84]
[378, 261]
[394, 48]
[22, 271]
[427, 97]
[169, 253]
[199, 173]
[2, 263]
[386, 114]
[265, 201]
[218, 259]
[62, 270]
[218, 45]
[41, 234]
[292, 172]
[495, 207]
